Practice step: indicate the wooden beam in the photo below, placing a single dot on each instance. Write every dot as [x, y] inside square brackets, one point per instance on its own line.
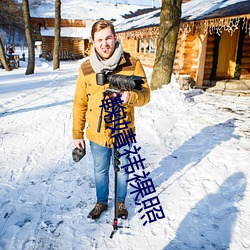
[201, 60]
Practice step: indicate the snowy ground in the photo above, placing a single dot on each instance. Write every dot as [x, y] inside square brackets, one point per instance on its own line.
[197, 151]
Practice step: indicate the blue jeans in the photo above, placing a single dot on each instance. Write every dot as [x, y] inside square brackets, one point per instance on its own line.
[103, 157]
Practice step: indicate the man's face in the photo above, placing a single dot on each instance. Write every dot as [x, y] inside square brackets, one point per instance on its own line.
[104, 42]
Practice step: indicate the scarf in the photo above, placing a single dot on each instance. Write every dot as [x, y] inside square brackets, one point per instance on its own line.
[98, 64]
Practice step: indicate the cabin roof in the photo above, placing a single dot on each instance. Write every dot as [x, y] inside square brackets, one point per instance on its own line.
[77, 32]
[193, 10]
[208, 9]
[85, 10]
[140, 21]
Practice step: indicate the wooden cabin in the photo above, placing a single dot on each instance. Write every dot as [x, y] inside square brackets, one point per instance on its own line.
[210, 47]
[74, 37]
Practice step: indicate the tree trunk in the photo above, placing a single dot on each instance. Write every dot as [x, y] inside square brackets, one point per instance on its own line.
[3, 57]
[168, 34]
[28, 33]
[56, 59]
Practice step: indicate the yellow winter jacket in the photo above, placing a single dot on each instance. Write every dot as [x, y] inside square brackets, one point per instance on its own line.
[89, 96]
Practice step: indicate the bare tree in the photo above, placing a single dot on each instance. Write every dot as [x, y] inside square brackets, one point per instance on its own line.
[3, 57]
[168, 34]
[11, 24]
[28, 33]
[56, 59]
[11, 17]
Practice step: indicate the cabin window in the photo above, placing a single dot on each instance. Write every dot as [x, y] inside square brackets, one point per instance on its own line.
[146, 45]
[152, 45]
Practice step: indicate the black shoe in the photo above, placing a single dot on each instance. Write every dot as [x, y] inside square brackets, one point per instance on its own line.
[97, 210]
[122, 211]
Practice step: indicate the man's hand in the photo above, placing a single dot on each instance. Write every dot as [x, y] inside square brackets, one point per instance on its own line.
[79, 143]
[124, 96]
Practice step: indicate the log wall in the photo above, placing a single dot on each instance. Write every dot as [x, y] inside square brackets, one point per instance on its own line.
[131, 46]
[245, 60]
[186, 56]
[73, 45]
[178, 61]
[50, 22]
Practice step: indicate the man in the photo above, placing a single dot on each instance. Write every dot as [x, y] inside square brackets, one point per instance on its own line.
[107, 54]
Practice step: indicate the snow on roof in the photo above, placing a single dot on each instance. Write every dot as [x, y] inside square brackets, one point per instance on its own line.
[197, 9]
[145, 20]
[192, 10]
[85, 10]
[79, 32]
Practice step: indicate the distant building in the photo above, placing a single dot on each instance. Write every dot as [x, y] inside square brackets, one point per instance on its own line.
[75, 36]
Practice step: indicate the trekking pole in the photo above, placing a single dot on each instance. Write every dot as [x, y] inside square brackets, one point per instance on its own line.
[116, 155]
[116, 169]
[104, 94]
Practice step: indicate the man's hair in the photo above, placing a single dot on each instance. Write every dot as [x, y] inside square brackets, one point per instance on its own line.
[101, 24]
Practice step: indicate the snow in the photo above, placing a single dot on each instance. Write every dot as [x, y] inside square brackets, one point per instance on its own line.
[156, 3]
[84, 33]
[197, 151]
[145, 20]
[86, 10]
[192, 10]
[197, 9]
